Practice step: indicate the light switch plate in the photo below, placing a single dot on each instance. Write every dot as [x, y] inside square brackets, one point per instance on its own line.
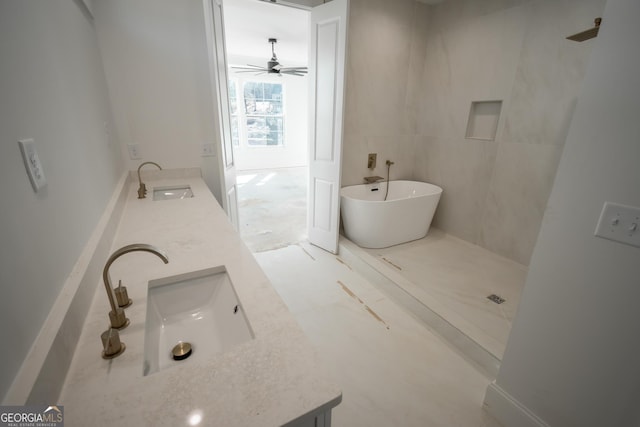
[32, 164]
[620, 223]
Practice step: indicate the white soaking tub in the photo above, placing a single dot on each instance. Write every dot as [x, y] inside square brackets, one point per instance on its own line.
[371, 222]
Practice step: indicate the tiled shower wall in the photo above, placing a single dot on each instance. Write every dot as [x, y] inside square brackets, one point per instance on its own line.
[381, 66]
[413, 71]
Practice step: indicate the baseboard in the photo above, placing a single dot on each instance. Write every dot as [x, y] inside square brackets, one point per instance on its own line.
[509, 411]
[45, 368]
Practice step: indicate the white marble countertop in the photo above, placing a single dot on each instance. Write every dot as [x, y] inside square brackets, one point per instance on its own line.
[268, 381]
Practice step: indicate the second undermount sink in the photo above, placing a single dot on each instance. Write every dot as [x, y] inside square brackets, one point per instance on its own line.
[172, 192]
[191, 316]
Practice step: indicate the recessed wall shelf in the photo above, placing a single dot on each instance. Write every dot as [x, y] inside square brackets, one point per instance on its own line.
[483, 120]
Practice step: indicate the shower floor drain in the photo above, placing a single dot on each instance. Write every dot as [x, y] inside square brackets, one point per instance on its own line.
[495, 298]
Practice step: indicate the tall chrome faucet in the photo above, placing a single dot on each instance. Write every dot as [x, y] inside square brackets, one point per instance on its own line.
[112, 346]
[142, 189]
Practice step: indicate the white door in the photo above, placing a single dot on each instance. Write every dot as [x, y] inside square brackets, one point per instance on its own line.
[219, 80]
[327, 55]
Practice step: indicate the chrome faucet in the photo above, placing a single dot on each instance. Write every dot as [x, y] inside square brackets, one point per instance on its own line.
[118, 298]
[142, 189]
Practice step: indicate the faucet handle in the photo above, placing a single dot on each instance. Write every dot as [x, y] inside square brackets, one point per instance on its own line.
[111, 344]
[142, 190]
[118, 318]
[122, 296]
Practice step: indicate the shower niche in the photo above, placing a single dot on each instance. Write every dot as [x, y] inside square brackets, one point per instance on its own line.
[483, 120]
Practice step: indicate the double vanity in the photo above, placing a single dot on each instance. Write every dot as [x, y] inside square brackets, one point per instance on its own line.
[208, 340]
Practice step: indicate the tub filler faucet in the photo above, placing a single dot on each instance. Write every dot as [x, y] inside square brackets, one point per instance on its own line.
[142, 189]
[372, 179]
[118, 299]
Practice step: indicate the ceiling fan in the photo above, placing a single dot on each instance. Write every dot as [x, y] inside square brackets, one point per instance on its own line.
[273, 66]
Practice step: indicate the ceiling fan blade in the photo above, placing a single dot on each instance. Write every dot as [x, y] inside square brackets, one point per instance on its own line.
[261, 71]
[293, 73]
[247, 67]
[301, 69]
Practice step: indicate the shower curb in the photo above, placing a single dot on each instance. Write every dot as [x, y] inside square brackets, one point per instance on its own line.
[474, 353]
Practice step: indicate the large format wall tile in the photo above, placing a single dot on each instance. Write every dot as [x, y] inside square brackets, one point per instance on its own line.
[414, 71]
[395, 147]
[378, 65]
[465, 175]
[514, 51]
[550, 71]
[381, 90]
[522, 180]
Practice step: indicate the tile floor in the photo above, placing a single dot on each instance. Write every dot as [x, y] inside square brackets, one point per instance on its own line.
[393, 370]
[379, 316]
[453, 278]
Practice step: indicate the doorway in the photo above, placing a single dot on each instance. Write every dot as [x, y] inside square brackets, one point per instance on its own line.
[269, 122]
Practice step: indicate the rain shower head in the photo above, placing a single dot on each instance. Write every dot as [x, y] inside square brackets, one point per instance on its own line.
[587, 34]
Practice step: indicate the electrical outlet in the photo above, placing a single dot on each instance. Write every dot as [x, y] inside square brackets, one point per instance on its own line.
[619, 223]
[207, 150]
[134, 151]
[32, 163]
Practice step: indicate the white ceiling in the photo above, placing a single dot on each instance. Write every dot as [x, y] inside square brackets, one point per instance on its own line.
[249, 23]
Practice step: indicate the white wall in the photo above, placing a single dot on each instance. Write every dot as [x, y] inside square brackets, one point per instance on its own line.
[294, 151]
[53, 90]
[572, 358]
[156, 63]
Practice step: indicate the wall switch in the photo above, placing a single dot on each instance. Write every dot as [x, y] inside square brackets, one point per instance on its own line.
[134, 151]
[32, 163]
[620, 223]
[208, 150]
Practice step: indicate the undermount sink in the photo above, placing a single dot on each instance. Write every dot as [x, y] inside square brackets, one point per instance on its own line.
[172, 192]
[191, 316]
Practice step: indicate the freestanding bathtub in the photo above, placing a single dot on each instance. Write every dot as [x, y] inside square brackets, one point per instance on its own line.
[371, 222]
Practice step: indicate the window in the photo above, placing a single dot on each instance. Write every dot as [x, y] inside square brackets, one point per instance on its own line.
[233, 105]
[263, 112]
[257, 113]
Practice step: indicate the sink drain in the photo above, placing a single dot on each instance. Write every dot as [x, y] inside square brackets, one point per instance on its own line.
[181, 351]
